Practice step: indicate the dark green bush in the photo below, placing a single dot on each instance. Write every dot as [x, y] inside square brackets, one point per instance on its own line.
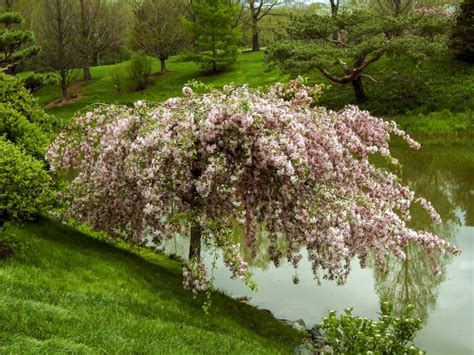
[139, 71]
[36, 81]
[15, 96]
[349, 334]
[24, 183]
[18, 130]
[462, 37]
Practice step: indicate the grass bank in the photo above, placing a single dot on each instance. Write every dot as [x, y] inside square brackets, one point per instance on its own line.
[443, 124]
[65, 291]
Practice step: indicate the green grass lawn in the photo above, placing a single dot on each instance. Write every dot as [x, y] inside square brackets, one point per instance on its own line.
[249, 69]
[66, 292]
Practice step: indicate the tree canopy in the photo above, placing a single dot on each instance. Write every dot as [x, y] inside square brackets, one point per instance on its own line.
[342, 47]
[16, 45]
[215, 33]
[158, 29]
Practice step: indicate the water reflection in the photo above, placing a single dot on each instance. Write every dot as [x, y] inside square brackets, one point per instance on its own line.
[446, 181]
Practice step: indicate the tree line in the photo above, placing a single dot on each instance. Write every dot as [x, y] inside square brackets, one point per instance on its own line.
[340, 40]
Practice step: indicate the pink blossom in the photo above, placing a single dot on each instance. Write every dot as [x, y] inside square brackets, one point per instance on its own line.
[267, 160]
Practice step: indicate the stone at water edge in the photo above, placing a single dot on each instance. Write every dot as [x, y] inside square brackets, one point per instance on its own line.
[326, 349]
[316, 334]
[298, 325]
[303, 349]
[301, 323]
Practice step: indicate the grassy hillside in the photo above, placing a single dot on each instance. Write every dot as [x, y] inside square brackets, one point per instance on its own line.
[250, 69]
[65, 291]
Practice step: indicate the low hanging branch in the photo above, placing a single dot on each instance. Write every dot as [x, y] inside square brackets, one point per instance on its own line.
[266, 161]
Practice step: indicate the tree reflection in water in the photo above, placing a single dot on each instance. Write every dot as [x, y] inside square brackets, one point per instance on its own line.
[444, 175]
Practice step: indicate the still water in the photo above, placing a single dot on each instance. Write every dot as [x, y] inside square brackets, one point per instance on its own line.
[441, 172]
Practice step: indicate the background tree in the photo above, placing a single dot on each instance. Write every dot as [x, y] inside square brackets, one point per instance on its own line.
[215, 35]
[462, 38]
[16, 45]
[362, 39]
[100, 28]
[58, 38]
[257, 10]
[158, 29]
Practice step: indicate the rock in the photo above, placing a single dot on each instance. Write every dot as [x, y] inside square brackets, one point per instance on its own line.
[316, 334]
[299, 324]
[243, 299]
[326, 350]
[303, 349]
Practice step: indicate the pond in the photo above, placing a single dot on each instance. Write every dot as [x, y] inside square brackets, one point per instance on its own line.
[444, 174]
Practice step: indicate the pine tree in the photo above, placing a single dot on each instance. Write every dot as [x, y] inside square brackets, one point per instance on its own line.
[215, 34]
[16, 45]
[462, 38]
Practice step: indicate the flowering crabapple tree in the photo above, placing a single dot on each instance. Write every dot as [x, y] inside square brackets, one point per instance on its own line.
[266, 161]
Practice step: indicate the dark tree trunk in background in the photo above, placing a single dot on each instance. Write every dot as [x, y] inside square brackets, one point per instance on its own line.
[255, 42]
[359, 90]
[162, 65]
[334, 7]
[64, 85]
[255, 39]
[195, 242]
[86, 69]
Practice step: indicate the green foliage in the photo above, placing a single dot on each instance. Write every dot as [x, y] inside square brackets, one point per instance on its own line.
[15, 128]
[216, 36]
[66, 292]
[139, 71]
[24, 183]
[17, 98]
[118, 77]
[36, 81]
[350, 334]
[462, 38]
[16, 46]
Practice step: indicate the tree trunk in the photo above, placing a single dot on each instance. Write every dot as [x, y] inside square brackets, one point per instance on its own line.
[334, 8]
[255, 42]
[255, 39]
[195, 242]
[86, 68]
[162, 65]
[359, 90]
[64, 91]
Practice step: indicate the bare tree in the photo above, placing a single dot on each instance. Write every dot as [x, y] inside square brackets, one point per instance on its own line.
[100, 27]
[158, 29]
[334, 7]
[57, 37]
[258, 9]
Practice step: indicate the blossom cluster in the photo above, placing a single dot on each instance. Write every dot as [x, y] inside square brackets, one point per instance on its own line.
[267, 160]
